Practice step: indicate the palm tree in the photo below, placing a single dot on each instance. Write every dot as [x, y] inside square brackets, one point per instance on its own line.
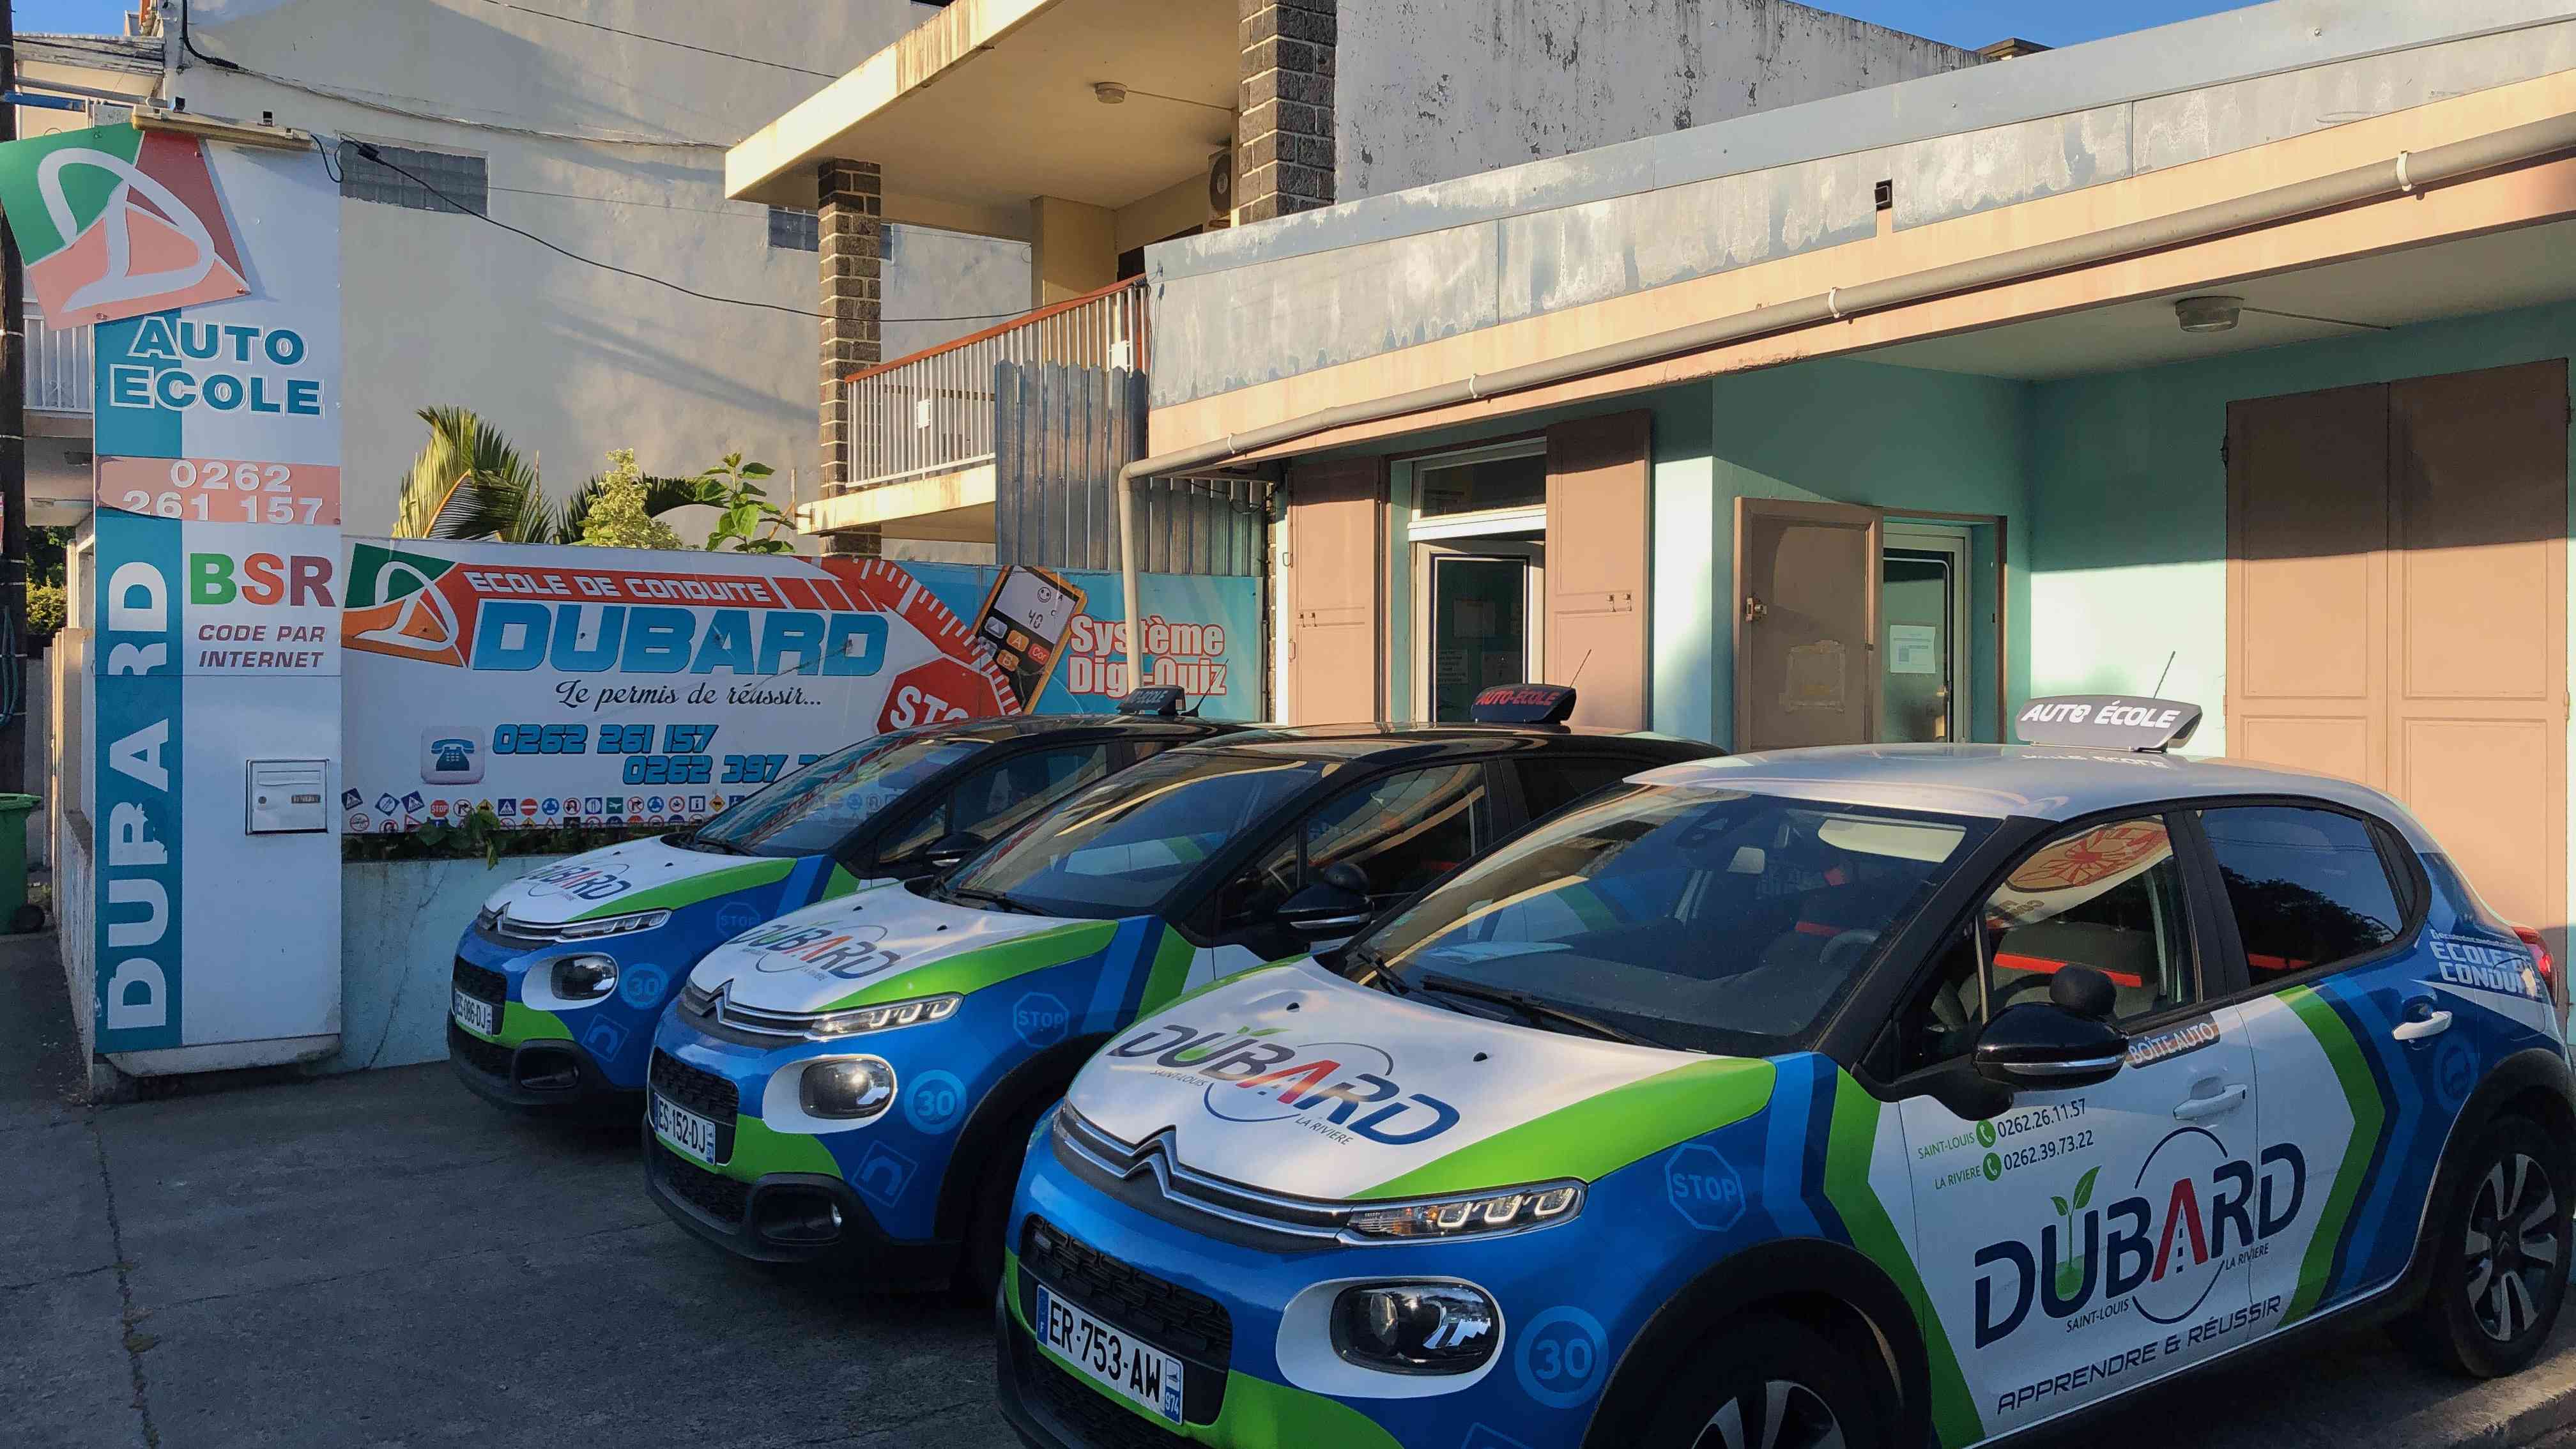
[469, 482]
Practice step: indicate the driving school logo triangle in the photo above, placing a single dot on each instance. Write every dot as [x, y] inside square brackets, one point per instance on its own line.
[397, 606]
[116, 222]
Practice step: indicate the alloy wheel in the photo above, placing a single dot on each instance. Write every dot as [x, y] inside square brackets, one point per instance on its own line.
[1780, 1414]
[2512, 1247]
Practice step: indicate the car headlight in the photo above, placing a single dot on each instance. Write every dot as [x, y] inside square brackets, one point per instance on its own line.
[1416, 1328]
[610, 926]
[886, 1017]
[846, 1089]
[584, 978]
[1509, 1211]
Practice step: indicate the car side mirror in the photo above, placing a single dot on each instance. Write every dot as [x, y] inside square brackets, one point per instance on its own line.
[2066, 1041]
[1329, 907]
[951, 850]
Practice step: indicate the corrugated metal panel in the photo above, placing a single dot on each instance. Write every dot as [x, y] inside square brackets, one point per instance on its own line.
[1060, 435]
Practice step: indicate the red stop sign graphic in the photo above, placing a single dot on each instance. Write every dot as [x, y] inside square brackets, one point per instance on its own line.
[940, 691]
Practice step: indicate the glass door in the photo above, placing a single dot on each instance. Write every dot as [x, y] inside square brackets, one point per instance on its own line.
[1923, 614]
[1480, 614]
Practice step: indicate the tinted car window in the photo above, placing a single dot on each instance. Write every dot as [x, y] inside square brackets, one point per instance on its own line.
[997, 799]
[1549, 783]
[1125, 844]
[1713, 920]
[814, 809]
[2308, 887]
[1405, 831]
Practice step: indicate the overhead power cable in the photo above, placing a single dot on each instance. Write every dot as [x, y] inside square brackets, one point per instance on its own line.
[379, 158]
[659, 39]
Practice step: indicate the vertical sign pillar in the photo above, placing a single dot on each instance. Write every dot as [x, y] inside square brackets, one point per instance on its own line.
[211, 275]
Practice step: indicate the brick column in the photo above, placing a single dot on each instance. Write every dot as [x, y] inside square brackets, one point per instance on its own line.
[850, 200]
[1284, 131]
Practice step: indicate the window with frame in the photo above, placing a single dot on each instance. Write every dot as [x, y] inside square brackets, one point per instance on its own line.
[2109, 897]
[2308, 887]
[795, 230]
[437, 181]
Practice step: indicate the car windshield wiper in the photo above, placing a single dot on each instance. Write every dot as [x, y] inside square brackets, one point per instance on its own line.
[995, 899]
[1381, 975]
[697, 840]
[1535, 1009]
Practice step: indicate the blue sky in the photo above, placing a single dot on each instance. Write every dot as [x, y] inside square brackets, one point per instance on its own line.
[1960, 22]
[2050, 22]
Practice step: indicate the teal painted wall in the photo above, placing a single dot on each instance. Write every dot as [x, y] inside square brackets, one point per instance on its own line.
[2128, 501]
[1840, 431]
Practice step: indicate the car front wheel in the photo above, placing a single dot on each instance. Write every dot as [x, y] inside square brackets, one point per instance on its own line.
[1769, 1384]
[2501, 1271]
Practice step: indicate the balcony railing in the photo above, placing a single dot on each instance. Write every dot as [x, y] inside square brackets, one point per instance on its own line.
[932, 412]
[58, 367]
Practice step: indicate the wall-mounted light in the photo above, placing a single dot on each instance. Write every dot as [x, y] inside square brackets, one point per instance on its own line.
[2209, 314]
[1109, 93]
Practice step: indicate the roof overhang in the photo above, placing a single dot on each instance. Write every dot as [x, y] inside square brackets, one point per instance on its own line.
[946, 507]
[2491, 242]
[993, 102]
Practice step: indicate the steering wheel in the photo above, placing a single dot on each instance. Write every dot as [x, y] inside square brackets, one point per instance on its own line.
[1845, 950]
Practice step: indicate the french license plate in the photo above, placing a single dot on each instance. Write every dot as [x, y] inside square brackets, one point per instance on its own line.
[686, 1130]
[477, 1013]
[1136, 1370]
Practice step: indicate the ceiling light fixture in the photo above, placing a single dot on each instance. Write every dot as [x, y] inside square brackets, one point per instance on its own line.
[2208, 314]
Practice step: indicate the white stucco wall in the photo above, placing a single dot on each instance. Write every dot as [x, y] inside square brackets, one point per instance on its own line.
[568, 360]
[1429, 90]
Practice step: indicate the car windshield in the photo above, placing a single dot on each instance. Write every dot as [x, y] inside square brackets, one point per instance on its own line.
[1714, 921]
[1124, 846]
[816, 808]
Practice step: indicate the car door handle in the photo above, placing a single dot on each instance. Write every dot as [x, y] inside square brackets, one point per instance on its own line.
[2196, 1108]
[2431, 1026]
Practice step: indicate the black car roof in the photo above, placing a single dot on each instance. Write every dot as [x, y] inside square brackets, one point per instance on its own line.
[994, 729]
[1435, 741]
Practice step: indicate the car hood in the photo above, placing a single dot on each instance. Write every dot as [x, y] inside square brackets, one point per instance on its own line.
[1293, 1080]
[876, 943]
[638, 875]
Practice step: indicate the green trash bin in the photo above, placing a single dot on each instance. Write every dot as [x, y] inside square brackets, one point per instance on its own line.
[14, 909]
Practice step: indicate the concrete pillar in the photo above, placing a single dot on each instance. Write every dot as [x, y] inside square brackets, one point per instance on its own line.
[1284, 134]
[1073, 249]
[850, 197]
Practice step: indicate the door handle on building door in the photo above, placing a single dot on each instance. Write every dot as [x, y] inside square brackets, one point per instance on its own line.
[1754, 609]
[2196, 1108]
[2423, 1028]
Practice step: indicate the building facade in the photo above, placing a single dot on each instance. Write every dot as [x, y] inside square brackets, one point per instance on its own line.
[1093, 129]
[605, 135]
[2226, 361]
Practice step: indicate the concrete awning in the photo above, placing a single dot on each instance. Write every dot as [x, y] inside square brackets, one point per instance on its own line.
[992, 103]
[947, 507]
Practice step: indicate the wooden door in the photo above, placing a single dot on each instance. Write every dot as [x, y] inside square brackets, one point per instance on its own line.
[1806, 623]
[1599, 545]
[2478, 667]
[2397, 608]
[1336, 561]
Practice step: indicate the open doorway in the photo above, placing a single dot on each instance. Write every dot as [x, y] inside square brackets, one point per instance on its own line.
[1924, 623]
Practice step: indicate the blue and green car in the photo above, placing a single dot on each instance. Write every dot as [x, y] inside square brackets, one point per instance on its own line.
[560, 980]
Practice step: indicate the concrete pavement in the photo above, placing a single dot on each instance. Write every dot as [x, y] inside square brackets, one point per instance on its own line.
[382, 1260]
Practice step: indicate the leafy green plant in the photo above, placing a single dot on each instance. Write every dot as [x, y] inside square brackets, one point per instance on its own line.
[733, 486]
[470, 482]
[618, 516]
[45, 611]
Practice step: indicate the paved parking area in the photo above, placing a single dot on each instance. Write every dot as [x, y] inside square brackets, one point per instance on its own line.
[381, 1260]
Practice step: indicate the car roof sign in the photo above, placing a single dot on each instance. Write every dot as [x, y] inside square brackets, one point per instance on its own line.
[1523, 704]
[1161, 699]
[2107, 722]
